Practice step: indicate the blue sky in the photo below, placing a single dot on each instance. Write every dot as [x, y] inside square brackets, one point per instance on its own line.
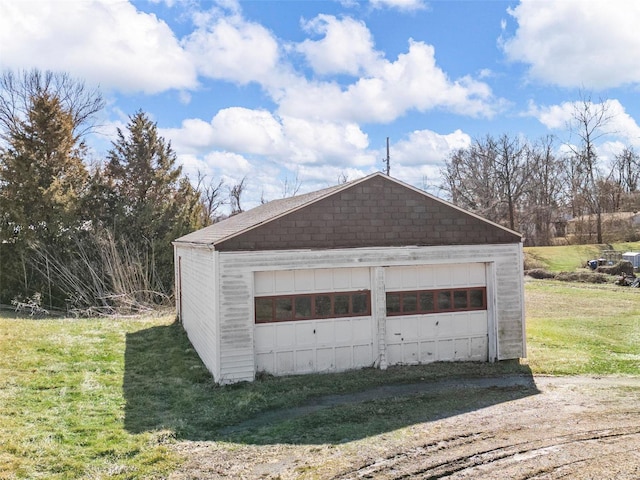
[306, 92]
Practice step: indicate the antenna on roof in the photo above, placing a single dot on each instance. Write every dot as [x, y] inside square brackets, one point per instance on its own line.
[388, 159]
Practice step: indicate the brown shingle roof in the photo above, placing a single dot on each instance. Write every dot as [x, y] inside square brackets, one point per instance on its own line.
[376, 210]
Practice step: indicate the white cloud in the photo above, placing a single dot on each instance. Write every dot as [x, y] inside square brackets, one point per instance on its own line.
[408, 5]
[412, 82]
[347, 46]
[592, 44]
[102, 41]
[425, 147]
[230, 48]
[288, 141]
[325, 143]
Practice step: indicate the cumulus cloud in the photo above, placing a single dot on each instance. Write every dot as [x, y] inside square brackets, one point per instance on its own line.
[230, 48]
[425, 147]
[412, 82]
[578, 44]
[288, 141]
[104, 42]
[346, 48]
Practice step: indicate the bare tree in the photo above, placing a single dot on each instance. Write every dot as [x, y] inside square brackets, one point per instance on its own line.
[235, 194]
[17, 92]
[290, 188]
[543, 194]
[512, 171]
[589, 123]
[343, 178]
[211, 197]
[625, 175]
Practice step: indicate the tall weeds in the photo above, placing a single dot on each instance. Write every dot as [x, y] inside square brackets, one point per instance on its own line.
[102, 276]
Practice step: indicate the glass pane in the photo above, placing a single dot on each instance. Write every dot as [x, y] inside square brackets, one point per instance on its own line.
[341, 305]
[410, 303]
[303, 307]
[283, 309]
[444, 300]
[393, 303]
[460, 299]
[360, 303]
[264, 310]
[323, 306]
[477, 299]
[426, 302]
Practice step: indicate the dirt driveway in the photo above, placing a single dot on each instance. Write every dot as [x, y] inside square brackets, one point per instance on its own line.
[566, 427]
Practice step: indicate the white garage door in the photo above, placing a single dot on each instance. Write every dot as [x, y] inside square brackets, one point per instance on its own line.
[436, 313]
[298, 338]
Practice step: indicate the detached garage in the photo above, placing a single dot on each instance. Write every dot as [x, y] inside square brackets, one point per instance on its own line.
[372, 272]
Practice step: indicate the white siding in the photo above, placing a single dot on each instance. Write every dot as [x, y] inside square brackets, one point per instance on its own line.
[237, 273]
[197, 303]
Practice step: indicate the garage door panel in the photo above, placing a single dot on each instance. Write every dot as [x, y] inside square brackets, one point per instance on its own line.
[477, 323]
[343, 356]
[305, 334]
[428, 352]
[361, 329]
[362, 355]
[446, 350]
[343, 331]
[305, 361]
[410, 353]
[265, 340]
[478, 348]
[265, 362]
[325, 333]
[324, 359]
[461, 349]
[285, 335]
[284, 362]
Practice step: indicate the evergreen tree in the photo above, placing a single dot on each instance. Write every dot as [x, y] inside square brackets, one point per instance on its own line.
[42, 178]
[152, 202]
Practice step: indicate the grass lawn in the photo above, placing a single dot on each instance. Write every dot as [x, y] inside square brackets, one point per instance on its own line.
[105, 398]
[582, 329]
[567, 258]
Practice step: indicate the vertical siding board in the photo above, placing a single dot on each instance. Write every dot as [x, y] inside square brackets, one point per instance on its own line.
[237, 361]
[198, 316]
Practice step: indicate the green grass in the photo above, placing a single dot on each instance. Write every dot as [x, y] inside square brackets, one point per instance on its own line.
[567, 258]
[107, 398]
[581, 329]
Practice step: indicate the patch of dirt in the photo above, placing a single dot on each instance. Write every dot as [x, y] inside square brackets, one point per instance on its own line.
[572, 427]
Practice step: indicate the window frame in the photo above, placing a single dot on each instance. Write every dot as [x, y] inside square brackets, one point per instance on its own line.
[313, 316]
[436, 301]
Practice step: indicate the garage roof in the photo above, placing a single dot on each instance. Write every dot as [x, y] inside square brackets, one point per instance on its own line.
[376, 210]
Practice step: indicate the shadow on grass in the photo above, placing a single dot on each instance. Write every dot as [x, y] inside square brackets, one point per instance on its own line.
[167, 388]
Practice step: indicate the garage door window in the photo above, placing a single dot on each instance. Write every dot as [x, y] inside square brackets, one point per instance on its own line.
[284, 308]
[435, 301]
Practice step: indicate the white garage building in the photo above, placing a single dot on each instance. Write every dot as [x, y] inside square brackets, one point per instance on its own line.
[368, 273]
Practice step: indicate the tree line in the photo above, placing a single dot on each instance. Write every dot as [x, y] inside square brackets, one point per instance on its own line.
[91, 237]
[531, 188]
